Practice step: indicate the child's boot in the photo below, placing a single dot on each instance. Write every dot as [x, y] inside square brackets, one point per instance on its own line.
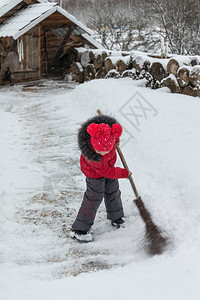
[81, 236]
[118, 223]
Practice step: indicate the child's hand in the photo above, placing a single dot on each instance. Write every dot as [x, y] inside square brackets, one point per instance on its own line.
[129, 173]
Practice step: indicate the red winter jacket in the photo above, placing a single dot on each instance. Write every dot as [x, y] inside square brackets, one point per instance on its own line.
[94, 165]
[104, 167]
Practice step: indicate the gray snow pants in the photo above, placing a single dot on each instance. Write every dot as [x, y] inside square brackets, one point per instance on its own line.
[97, 189]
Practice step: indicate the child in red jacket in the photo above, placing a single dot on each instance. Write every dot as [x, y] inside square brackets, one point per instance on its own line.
[97, 140]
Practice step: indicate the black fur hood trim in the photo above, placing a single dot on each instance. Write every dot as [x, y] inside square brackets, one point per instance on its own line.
[84, 137]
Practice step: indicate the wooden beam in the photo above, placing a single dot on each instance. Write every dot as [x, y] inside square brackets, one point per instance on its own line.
[21, 45]
[76, 38]
[56, 23]
[45, 51]
[28, 1]
[62, 45]
[39, 50]
[56, 18]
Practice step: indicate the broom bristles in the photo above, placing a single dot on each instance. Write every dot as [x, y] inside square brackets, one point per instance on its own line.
[155, 241]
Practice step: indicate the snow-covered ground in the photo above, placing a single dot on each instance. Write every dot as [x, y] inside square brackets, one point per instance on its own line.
[42, 185]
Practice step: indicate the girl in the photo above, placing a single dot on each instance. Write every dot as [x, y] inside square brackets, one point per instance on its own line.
[97, 140]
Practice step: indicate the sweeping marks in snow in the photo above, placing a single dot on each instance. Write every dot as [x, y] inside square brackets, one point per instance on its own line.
[51, 218]
[45, 215]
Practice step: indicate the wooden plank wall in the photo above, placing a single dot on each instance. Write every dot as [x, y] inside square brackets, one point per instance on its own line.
[33, 49]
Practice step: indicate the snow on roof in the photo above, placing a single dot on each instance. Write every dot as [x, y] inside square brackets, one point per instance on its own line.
[32, 15]
[6, 5]
[22, 22]
[26, 19]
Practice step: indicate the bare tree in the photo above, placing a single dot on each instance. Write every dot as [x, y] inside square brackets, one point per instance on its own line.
[123, 27]
[180, 24]
[139, 24]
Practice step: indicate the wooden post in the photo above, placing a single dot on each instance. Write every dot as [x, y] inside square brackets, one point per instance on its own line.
[21, 49]
[39, 50]
[162, 47]
[27, 52]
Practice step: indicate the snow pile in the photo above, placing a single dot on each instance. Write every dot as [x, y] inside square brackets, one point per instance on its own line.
[43, 186]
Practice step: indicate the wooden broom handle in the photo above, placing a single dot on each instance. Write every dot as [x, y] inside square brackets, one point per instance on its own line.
[127, 168]
[124, 164]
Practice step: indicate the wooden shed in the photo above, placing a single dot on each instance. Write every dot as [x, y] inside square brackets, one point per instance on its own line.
[38, 39]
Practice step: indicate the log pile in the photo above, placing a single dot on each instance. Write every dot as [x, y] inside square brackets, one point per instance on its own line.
[181, 74]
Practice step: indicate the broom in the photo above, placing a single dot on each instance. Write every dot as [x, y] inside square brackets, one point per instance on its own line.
[155, 241]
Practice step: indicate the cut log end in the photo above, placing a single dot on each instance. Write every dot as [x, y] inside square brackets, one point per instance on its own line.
[195, 76]
[157, 71]
[98, 62]
[191, 91]
[113, 74]
[120, 66]
[129, 73]
[86, 58]
[173, 66]
[172, 83]
[75, 73]
[89, 72]
[101, 73]
[183, 76]
[108, 64]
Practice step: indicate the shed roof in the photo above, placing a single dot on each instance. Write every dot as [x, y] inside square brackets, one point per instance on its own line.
[26, 19]
[6, 5]
[31, 16]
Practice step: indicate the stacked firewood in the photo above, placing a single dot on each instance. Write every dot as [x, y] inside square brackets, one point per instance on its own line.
[184, 76]
[181, 74]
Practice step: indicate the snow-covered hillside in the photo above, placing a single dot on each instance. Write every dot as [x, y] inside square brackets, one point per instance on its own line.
[42, 186]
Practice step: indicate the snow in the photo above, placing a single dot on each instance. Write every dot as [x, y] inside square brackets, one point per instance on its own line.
[6, 5]
[182, 59]
[131, 71]
[113, 72]
[195, 70]
[42, 186]
[173, 78]
[79, 66]
[189, 68]
[114, 59]
[141, 57]
[196, 59]
[100, 51]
